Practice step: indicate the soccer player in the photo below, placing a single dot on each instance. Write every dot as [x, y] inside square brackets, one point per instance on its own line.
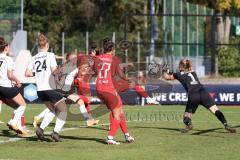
[85, 96]
[44, 65]
[121, 85]
[197, 95]
[82, 81]
[107, 93]
[7, 88]
[69, 71]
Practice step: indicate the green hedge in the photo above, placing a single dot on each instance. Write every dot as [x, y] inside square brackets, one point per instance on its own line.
[229, 61]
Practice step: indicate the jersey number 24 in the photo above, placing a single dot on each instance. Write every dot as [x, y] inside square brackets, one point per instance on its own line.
[40, 65]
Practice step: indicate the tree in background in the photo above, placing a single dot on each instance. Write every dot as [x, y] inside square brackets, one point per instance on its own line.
[220, 7]
[74, 17]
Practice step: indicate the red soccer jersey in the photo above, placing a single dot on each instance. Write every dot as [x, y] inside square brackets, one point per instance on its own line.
[115, 66]
[85, 63]
[104, 77]
[104, 84]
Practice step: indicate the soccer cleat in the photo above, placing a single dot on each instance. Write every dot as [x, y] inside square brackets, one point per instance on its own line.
[23, 131]
[39, 133]
[92, 122]
[25, 134]
[111, 141]
[14, 128]
[230, 129]
[151, 101]
[187, 129]
[10, 126]
[55, 136]
[129, 139]
[36, 121]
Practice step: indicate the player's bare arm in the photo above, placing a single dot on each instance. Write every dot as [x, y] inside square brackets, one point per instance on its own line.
[56, 70]
[29, 73]
[121, 74]
[168, 76]
[124, 65]
[13, 78]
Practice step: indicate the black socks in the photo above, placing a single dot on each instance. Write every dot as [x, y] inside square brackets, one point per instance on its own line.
[221, 117]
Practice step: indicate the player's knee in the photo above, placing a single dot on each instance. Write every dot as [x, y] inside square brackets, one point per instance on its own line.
[187, 121]
[80, 101]
[85, 99]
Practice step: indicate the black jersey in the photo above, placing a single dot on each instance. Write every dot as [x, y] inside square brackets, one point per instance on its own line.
[189, 80]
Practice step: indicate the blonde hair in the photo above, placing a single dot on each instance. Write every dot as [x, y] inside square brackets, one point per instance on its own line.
[185, 65]
[42, 41]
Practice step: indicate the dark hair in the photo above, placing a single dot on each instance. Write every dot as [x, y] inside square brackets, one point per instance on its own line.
[3, 44]
[68, 55]
[98, 51]
[92, 48]
[105, 40]
[108, 47]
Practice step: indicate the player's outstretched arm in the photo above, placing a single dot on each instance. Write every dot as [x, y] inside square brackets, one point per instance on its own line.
[57, 70]
[168, 76]
[124, 65]
[121, 74]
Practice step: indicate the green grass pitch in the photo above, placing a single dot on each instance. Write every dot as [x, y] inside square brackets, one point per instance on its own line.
[155, 129]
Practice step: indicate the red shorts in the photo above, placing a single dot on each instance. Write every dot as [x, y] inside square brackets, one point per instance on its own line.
[121, 85]
[110, 98]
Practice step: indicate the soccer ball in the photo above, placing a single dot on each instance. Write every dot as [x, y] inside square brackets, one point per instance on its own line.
[153, 68]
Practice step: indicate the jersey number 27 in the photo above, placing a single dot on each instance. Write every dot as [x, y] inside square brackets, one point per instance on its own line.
[104, 70]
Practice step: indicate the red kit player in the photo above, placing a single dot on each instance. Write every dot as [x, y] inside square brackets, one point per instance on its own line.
[108, 94]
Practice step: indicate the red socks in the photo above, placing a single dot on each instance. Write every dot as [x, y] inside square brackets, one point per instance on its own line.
[114, 125]
[140, 91]
[123, 124]
[22, 121]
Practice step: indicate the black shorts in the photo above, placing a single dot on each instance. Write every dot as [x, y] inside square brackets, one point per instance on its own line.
[8, 92]
[50, 96]
[196, 98]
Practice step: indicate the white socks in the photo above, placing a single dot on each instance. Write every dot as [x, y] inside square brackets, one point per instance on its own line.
[48, 117]
[18, 114]
[41, 115]
[84, 112]
[61, 119]
[110, 137]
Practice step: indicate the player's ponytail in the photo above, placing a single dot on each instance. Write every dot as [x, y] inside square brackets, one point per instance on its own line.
[188, 65]
[42, 41]
[108, 47]
[3, 44]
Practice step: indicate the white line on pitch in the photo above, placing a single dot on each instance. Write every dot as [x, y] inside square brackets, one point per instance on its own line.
[33, 135]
